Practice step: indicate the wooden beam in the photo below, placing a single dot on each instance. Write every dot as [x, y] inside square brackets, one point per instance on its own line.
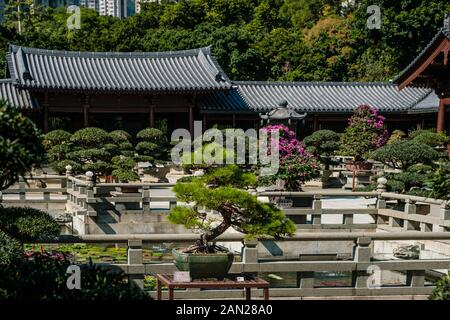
[442, 46]
[441, 116]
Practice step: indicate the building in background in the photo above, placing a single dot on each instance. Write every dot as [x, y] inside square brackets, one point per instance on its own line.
[117, 8]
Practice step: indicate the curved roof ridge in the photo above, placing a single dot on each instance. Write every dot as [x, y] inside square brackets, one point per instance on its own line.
[315, 83]
[111, 54]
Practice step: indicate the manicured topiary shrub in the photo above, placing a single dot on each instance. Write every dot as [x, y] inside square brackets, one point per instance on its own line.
[147, 148]
[152, 135]
[124, 169]
[119, 136]
[19, 225]
[99, 167]
[112, 149]
[322, 144]
[123, 146]
[60, 166]
[20, 145]
[85, 155]
[432, 139]
[405, 153]
[27, 224]
[90, 138]
[56, 137]
[58, 152]
[438, 182]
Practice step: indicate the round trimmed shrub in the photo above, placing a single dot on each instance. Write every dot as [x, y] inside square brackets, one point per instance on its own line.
[432, 139]
[90, 137]
[58, 152]
[147, 148]
[152, 135]
[60, 166]
[405, 153]
[89, 155]
[125, 175]
[56, 137]
[119, 136]
[98, 168]
[27, 224]
[112, 149]
[124, 146]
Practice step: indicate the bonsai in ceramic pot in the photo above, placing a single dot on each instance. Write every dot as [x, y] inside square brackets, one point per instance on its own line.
[364, 134]
[221, 190]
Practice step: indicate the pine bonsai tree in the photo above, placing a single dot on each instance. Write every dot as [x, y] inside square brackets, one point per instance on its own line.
[222, 190]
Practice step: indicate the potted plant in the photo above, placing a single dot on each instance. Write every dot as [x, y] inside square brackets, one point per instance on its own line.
[323, 144]
[364, 134]
[296, 165]
[222, 190]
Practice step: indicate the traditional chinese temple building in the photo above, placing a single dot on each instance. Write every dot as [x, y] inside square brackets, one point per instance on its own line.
[132, 91]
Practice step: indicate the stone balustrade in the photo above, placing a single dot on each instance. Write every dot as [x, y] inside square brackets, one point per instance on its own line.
[361, 266]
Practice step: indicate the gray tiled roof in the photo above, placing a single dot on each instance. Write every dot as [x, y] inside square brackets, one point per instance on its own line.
[317, 97]
[16, 97]
[442, 34]
[104, 71]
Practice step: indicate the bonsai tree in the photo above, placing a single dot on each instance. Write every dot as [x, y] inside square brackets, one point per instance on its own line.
[364, 134]
[438, 181]
[405, 153]
[124, 169]
[152, 142]
[119, 136]
[430, 137]
[20, 145]
[322, 144]
[55, 138]
[222, 190]
[413, 158]
[296, 165]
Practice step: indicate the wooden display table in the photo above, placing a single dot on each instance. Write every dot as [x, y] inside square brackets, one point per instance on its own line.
[228, 283]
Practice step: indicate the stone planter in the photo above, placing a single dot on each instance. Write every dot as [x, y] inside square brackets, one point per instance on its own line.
[204, 265]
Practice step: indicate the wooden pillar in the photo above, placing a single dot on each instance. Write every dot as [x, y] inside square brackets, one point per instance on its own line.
[191, 120]
[441, 116]
[45, 113]
[234, 120]
[205, 119]
[191, 107]
[86, 111]
[151, 111]
[316, 122]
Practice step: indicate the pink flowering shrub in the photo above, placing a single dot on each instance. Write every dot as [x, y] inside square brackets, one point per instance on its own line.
[364, 134]
[296, 164]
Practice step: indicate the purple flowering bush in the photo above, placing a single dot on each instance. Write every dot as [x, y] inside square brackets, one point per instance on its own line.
[296, 164]
[364, 134]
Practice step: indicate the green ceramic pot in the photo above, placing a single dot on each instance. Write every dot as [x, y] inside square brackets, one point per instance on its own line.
[204, 265]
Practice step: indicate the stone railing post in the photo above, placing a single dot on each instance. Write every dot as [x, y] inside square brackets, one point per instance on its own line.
[145, 198]
[136, 266]
[250, 251]
[381, 202]
[317, 207]
[90, 184]
[69, 174]
[22, 190]
[362, 253]
[444, 214]
[410, 208]
[1, 197]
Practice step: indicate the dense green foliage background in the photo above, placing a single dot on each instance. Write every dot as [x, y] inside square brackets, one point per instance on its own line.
[252, 39]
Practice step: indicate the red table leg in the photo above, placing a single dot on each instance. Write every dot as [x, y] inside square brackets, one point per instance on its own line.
[266, 293]
[248, 294]
[158, 290]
